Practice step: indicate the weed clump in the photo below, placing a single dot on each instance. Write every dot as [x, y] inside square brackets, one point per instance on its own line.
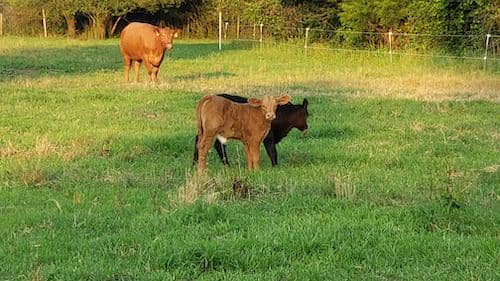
[211, 188]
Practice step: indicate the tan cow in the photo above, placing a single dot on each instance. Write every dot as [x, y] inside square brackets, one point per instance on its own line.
[218, 117]
[143, 42]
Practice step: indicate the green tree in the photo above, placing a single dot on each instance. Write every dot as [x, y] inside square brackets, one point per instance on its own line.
[449, 17]
[101, 12]
[316, 13]
[67, 9]
[375, 16]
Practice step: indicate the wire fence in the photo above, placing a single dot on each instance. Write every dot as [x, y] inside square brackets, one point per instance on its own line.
[485, 47]
[451, 46]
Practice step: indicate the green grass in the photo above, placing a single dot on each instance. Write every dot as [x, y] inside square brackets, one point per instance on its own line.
[397, 180]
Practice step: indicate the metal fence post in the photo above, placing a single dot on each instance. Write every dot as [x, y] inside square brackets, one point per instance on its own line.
[238, 27]
[306, 40]
[225, 29]
[390, 44]
[486, 50]
[220, 30]
[260, 38]
[486, 47]
[44, 23]
[1, 24]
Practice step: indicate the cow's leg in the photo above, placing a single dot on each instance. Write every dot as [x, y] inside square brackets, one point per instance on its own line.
[271, 150]
[221, 151]
[155, 70]
[204, 144]
[137, 68]
[149, 70]
[127, 63]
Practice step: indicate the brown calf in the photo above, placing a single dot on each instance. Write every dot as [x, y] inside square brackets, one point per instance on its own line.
[218, 117]
[143, 42]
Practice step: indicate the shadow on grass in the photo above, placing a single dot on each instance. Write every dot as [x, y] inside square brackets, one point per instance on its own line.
[31, 63]
[37, 62]
[317, 88]
[208, 75]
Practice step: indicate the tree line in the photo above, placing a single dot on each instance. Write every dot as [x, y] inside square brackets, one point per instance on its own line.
[198, 18]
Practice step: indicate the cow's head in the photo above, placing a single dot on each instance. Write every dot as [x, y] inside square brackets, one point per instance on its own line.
[167, 36]
[269, 104]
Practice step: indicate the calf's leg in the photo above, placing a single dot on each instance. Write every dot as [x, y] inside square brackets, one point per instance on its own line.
[195, 156]
[252, 152]
[225, 154]
[271, 150]
[204, 143]
[255, 156]
[221, 151]
[248, 155]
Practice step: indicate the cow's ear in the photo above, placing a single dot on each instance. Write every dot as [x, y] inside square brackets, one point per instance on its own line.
[254, 102]
[305, 103]
[284, 99]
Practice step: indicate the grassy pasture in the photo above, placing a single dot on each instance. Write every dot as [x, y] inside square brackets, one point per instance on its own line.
[397, 180]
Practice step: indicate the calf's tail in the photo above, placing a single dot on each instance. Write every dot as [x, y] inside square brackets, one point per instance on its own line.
[199, 126]
[199, 118]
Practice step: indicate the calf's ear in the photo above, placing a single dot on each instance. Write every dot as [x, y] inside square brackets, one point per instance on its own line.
[284, 99]
[305, 103]
[254, 102]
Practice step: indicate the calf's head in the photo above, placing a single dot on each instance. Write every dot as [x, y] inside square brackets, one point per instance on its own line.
[299, 119]
[167, 36]
[268, 104]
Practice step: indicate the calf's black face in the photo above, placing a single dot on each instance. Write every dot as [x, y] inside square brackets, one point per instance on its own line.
[292, 116]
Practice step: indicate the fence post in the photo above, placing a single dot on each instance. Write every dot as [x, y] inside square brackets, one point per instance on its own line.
[254, 30]
[225, 29]
[486, 47]
[390, 45]
[306, 40]
[238, 27]
[220, 30]
[260, 38]
[44, 23]
[1, 24]
[486, 50]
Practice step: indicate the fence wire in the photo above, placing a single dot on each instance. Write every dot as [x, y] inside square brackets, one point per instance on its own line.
[449, 46]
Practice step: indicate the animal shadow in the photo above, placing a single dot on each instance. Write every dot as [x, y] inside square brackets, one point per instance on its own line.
[208, 75]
